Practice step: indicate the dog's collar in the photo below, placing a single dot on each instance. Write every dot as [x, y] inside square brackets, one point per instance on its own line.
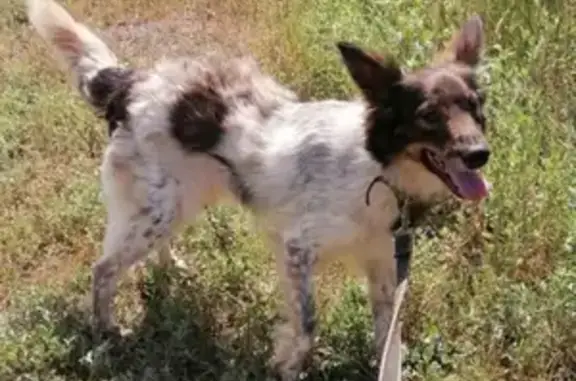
[404, 220]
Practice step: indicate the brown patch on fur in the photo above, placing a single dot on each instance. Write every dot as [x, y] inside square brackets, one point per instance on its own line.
[217, 87]
[197, 119]
[109, 93]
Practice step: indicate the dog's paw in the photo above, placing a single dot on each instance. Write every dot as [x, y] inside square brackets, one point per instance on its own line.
[178, 263]
[104, 332]
[291, 354]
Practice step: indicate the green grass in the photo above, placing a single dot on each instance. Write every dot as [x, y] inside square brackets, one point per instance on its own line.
[493, 294]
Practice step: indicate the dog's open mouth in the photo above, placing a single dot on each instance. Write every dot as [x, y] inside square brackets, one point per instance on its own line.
[464, 183]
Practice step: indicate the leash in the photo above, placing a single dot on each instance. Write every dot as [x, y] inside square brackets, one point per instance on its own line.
[391, 361]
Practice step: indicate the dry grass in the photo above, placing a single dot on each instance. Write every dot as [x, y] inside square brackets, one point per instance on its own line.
[492, 295]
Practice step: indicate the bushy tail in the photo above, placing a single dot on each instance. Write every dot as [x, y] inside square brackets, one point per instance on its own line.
[93, 65]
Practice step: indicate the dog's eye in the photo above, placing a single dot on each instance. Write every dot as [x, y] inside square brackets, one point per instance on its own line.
[481, 94]
[474, 105]
[467, 104]
[430, 116]
[480, 118]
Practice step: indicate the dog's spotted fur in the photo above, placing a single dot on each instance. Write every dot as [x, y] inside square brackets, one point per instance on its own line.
[195, 130]
[109, 94]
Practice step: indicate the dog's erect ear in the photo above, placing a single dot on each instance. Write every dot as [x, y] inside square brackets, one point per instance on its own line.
[373, 74]
[467, 44]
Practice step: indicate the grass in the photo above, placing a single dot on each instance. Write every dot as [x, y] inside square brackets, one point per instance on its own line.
[493, 292]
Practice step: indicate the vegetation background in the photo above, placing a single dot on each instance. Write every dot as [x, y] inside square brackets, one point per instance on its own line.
[493, 291]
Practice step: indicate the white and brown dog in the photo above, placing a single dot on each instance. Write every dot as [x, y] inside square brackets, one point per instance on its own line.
[186, 133]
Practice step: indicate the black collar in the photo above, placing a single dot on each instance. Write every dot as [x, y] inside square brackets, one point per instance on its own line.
[405, 218]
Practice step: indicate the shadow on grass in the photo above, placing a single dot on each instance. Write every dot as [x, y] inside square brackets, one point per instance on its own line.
[179, 338]
[189, 331]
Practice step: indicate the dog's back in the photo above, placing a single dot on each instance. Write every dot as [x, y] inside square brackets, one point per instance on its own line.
[311, 150]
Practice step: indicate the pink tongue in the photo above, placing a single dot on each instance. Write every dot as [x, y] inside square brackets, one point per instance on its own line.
[472, 185]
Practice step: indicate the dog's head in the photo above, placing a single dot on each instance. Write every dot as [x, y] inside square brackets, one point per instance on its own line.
[430, 122]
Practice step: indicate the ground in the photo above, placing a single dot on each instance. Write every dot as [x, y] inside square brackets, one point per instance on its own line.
[492, 296]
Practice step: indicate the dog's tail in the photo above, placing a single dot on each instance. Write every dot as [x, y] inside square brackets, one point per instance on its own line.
[93, 65]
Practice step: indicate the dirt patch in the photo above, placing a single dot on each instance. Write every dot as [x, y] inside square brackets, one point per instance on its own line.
[188, 34]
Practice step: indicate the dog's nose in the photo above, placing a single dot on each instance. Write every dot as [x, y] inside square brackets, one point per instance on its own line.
[475, 157]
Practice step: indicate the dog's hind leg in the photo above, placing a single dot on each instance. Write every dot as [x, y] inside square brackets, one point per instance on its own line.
[295, 260]
[127, 241]
[165, 257]
[167, 260]
[142, 215]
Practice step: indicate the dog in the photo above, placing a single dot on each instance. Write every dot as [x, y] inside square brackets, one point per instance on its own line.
[191, 132]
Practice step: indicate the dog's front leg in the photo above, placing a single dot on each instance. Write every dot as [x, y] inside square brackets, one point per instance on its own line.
[295, 259]
[380, 271]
